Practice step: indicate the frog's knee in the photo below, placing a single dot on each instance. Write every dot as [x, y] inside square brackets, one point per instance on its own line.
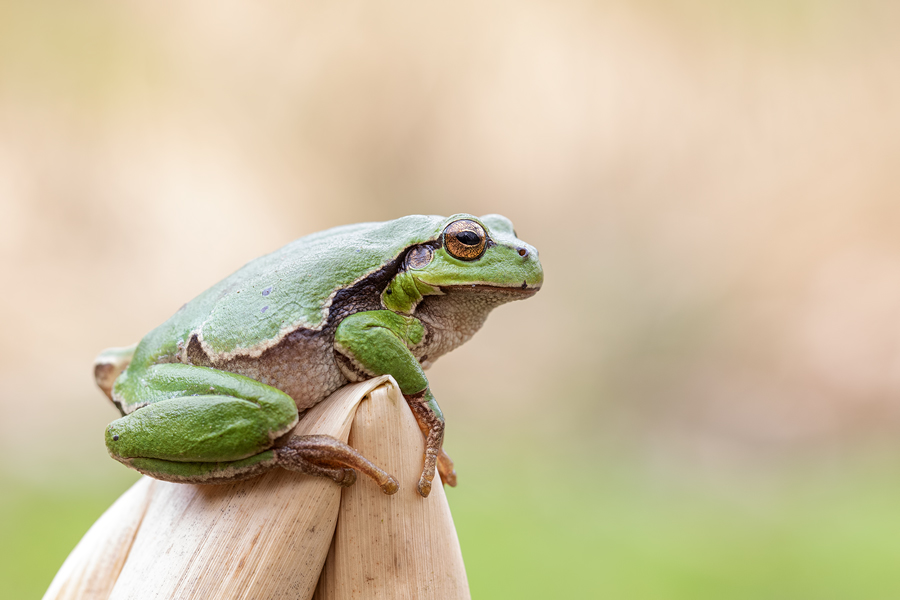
[127, 439]
[114, 434]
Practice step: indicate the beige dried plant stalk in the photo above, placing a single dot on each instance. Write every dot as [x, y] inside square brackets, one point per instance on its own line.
[269, 537]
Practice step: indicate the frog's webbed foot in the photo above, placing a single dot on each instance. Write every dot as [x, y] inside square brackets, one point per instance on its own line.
[325, 456]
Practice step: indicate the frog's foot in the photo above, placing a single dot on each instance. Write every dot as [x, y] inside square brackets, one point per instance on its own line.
[445, 468]
[325, 456]
[432, 426]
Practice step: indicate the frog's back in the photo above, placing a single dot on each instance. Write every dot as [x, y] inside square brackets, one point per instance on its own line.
[288, 290]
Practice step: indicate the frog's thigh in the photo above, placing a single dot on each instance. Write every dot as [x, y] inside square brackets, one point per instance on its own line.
[193, 428]
[377, 343]
[232, 428]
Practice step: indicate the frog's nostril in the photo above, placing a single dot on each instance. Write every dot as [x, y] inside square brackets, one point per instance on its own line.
[523, 252]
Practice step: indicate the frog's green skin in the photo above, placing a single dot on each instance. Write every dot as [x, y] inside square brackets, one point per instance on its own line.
[212, 394]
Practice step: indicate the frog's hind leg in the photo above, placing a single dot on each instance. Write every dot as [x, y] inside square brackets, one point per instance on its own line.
[195, 424]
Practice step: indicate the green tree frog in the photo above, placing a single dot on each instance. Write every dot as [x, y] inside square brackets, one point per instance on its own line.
[212, 394]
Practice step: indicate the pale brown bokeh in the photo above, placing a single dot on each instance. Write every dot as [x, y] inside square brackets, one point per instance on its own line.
[712, 186]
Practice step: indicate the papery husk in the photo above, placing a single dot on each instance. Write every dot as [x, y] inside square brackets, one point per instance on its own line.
[402, 546]
[269, 537]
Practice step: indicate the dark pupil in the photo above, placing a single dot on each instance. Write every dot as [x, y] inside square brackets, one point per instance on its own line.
[468, 238]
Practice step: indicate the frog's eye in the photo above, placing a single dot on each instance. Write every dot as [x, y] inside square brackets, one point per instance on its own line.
[465, 239]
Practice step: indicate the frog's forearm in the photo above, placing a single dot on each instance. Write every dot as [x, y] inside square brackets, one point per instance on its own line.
[378, 343]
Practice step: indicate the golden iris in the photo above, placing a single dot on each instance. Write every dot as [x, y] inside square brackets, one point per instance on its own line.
[465, 239]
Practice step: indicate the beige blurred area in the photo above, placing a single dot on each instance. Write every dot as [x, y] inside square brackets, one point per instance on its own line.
[713, 187]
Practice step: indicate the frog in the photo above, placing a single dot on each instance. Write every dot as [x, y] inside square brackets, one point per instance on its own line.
[214, 393]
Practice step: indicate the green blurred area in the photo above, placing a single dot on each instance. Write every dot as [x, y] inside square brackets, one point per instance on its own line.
[41, 524]
[612, 531]
[569, 527]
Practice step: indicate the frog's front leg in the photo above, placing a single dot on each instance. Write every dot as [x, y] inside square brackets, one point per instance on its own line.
[378, 342]
[194, 424]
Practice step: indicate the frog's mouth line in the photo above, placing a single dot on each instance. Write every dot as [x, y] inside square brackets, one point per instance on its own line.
[522, 290]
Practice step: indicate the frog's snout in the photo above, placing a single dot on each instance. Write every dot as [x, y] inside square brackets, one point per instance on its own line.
[529, 261]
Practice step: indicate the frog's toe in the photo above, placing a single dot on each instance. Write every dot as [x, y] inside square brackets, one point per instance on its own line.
[345, 477]
[445, 468]
[424, 487]
[390, 486]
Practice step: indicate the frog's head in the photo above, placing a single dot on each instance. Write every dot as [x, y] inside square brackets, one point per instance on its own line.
[477, 253]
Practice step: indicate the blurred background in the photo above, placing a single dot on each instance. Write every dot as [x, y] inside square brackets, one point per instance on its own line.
[703, 400]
